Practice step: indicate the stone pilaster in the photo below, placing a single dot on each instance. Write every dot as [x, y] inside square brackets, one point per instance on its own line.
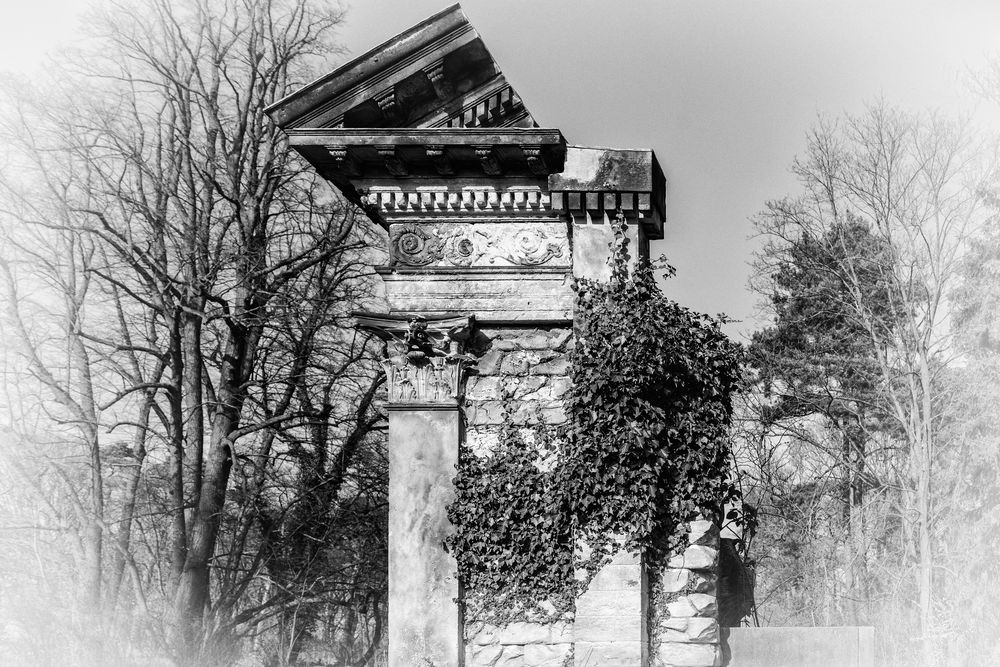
[424, 375]
[687, 628]
[610, 622]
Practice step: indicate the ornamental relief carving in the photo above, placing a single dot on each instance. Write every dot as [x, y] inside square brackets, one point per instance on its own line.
[425, 361]
[436, 381]
[504, 244]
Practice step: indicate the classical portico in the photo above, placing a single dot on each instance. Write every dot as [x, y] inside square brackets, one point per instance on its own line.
[489, 218]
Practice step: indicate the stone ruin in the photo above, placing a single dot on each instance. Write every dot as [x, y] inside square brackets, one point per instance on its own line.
[489, 220]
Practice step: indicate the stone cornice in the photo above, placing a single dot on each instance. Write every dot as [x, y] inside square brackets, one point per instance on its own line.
[437, 67]
[603, 181]
[369, 69]
[359, 154]
[422, 136]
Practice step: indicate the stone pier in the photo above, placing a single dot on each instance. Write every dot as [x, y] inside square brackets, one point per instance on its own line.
[611, 615]
[687, 613]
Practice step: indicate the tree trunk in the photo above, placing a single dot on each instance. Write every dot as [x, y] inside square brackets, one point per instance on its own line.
[124, 537]
[193, 590]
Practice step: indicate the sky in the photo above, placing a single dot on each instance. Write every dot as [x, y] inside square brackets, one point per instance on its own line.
[724, 91]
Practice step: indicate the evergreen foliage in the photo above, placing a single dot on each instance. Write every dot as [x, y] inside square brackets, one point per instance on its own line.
[645, 450]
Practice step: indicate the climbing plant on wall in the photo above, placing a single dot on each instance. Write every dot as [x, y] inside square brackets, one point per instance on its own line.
[644, 451]
[647, 442]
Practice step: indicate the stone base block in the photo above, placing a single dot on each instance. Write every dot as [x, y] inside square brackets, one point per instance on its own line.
[679, 654]
[609, 654]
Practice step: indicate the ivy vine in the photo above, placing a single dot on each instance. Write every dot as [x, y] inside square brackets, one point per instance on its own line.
[645, 450]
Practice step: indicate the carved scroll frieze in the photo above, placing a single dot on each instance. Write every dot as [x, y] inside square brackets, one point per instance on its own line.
[415, 245]
[466, 244]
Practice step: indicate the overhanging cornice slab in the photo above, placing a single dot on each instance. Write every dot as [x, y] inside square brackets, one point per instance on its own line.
[438, 73]
[386, 55]
[357, 154]
[608, 180]
[418, 136]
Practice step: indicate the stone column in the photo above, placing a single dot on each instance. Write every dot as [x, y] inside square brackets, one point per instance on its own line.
[424, 622]
[687, 631]
[424, 372]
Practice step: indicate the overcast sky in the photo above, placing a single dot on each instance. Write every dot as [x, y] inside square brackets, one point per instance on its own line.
[723, 91]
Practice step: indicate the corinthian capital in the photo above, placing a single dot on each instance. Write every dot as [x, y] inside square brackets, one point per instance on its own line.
[425, 360]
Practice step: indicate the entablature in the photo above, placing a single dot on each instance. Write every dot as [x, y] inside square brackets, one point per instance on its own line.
[485, 211]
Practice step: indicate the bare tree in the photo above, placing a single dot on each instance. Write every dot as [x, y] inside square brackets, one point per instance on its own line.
[913, 184]
[216, 273]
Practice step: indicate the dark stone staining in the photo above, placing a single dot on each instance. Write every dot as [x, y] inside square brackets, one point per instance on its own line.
[468, 66]
[416, 97]
[366, 114]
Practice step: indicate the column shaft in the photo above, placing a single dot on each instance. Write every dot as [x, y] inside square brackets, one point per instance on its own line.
[424, 620]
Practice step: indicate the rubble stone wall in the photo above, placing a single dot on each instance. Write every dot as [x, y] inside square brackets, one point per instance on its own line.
[522, 375]
[529, 365]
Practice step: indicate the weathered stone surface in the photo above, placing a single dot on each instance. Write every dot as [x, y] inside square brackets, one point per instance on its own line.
[482, 634]
[527, 387]
[681, 608]
[524, 633]
[502, 296]
[694, 604]
[610, 623]
[678, 654]
[600, 604]
[671, 635]
[423, 577]
[703, 581]
[555, 367]
[616, 577]
[560, 337]
[512, 656]
[702, 630]
[703, 532]
[518, 362]
[487, 655]
[674, 623]
[561, 632]
[489, 362]
[546, 655]
[609, 654]
[558, 386]
[674, 579]
[485, 413]
[482, 388]
[591, 252]
[696, 557]
[609, 628]
[506, 344]
[482, 443]
[554, 415]
[536, 341]
[704, 604]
